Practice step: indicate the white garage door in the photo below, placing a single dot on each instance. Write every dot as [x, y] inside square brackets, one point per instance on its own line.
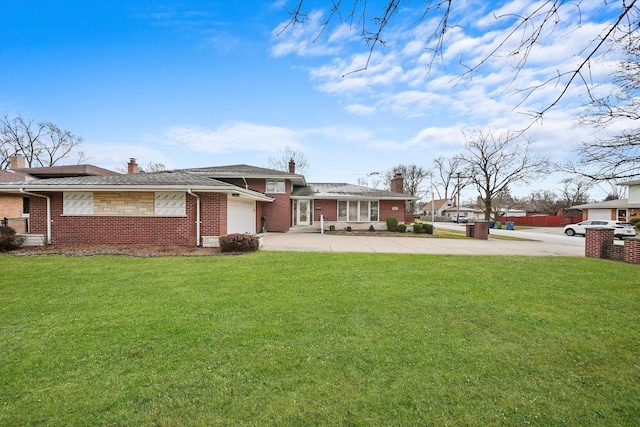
[599, 214]
[241, 215]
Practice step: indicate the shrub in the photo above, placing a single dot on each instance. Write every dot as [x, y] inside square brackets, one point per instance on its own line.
[428, 228]
[8, 239]
[417, 228]
[635, 222]
[401, 228]
[392, 223]
[239, 243]
[371, 228]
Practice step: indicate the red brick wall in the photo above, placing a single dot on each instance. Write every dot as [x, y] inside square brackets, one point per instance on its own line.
[386, 209]
[632, 251]
[152, 230]
[614, 252]
[596, 241]
[278, 213]
[213, 214]
[329, 209]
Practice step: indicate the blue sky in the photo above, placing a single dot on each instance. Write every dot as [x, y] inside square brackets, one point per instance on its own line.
[203, 83]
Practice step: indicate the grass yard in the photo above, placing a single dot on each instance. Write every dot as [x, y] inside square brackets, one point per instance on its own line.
[319, 339]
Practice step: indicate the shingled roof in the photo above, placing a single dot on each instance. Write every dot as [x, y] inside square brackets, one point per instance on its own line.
[346, 191]
[244, 171]
[66, 171]
[158, 181]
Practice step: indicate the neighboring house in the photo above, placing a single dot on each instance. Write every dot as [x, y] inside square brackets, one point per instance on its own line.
[619, 210]
[437, 207]
[451, 214]
[195, 206]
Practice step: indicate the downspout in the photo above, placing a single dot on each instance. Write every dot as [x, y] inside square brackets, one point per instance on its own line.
[246, 186]
[48, 211]
[197, 216]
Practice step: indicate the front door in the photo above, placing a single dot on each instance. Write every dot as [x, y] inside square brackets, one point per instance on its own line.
[303, 212]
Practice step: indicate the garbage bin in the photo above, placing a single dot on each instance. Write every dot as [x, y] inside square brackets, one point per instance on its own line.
[498, 225]
[492, 224]
[510, 225]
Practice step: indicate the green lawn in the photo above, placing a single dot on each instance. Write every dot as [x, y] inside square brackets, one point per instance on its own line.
[319, 339]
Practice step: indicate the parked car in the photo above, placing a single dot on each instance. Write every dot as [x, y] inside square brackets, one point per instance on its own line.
[620, 229]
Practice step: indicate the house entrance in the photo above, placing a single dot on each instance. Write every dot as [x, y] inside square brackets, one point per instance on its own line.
[301, 214]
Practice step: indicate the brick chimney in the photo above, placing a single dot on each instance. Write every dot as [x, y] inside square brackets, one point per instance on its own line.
[132, 166]
[397, 184]
[17, 162]
[292, 166]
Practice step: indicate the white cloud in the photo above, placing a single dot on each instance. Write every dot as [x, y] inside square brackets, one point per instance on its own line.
[360, 109]
[233, 137]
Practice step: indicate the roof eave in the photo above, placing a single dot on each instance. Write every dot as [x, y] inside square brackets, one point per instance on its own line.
[137, 188]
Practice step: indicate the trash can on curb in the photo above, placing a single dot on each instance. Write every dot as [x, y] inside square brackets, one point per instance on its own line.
[498, 225]
[492, 224]
[510, 225]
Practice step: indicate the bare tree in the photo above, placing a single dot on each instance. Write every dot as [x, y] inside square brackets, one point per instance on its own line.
[285, 155]
[413, 176]
[153, 167]
[41, 144]
[495, 161]
[150, 167]
[447, 171]
[525, 30]
[616, 157]
[575, 191]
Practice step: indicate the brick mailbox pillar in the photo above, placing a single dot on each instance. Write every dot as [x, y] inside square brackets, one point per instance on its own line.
[481, 230]
[596, 242]
[632, 251]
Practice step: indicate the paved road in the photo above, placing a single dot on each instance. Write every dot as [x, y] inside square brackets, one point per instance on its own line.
[543, 234]
[544, 244]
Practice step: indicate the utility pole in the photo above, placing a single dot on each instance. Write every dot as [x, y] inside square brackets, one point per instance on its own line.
[458, 199]
[433, 208]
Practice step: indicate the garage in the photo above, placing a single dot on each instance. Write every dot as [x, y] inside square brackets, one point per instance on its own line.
[241, 215]
[600, 214]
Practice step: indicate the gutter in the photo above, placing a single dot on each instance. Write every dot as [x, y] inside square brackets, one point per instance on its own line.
[48, 211]
[197, 216]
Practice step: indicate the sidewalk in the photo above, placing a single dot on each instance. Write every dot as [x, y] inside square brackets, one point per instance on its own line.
[316, 242]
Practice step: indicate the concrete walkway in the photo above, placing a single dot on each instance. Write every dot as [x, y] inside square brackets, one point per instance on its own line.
[310, 242]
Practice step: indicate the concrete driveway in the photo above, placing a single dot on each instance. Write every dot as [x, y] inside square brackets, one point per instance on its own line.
[310, 242]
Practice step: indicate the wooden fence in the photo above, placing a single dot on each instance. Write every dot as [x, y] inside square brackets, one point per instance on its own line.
[543, 221]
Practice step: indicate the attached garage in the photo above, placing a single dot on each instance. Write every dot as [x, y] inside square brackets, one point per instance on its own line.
[241, 215]
[604, 214]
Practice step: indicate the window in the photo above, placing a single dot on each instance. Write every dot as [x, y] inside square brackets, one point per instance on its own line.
[170, 203]
[358, 210]
[77, 203]
[275, 186]
[25, 206]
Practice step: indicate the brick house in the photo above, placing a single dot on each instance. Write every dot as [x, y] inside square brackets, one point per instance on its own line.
[194, 206]
[15, 207]
[617, 210]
